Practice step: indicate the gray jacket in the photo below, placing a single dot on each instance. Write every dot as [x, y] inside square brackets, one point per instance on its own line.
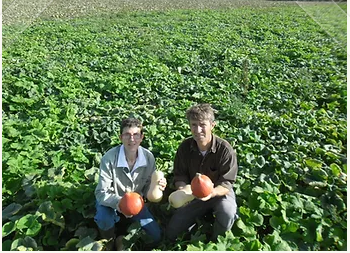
[114, 181]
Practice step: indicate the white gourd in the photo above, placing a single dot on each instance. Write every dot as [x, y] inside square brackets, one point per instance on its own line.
[181, 197]
[154, 194]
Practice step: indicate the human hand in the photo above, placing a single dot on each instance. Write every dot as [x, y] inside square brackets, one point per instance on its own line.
[207, 197]
[162, 183]
[128, 216]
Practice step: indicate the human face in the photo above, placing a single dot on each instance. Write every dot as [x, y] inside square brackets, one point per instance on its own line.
[201, 131]
[131, 138]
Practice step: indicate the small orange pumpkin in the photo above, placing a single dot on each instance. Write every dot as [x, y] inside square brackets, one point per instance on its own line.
[201, 186]
[131, 203]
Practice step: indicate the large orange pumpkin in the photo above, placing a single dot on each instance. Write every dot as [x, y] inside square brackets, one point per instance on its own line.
[201, 186]
[131, 203]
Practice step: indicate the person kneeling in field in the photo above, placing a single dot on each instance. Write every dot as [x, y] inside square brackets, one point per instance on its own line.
[214, 157]
[126, 167]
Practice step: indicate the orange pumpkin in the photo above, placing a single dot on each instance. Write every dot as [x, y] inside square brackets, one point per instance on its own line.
[131, 203]
[201, 186]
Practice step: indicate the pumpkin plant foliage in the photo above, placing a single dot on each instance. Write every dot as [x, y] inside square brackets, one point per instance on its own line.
[276, 77]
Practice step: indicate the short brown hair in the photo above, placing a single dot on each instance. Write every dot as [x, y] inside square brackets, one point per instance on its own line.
[130, 122]
[201, 112]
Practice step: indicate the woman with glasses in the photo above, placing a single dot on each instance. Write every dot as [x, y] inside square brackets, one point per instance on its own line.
[126, 167]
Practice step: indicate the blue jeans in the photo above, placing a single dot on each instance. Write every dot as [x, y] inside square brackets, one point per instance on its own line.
[106, 217]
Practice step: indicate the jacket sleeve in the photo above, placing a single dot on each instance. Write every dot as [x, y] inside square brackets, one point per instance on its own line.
[104, 192]
[229, 168]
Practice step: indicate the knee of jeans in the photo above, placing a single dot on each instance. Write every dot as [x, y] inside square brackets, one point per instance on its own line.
[104, 222]
[226, 221]
[152, 228]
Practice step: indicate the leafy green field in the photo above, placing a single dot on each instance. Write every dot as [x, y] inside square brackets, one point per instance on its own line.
[276, 73]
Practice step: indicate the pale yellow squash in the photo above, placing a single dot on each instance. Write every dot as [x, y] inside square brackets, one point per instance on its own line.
[181, 197]
[154, 193]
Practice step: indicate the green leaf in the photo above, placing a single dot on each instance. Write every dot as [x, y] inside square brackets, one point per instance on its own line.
[28, 184]
[258, 189]
[236, 245]
[295, 202]
[10, 210]
[13, 132]
[86, 244]
[97, 245]
[313, 163]
[272, 239]
[336, 233]
[320, 151]
[67, 203]
[221, 246]
[257, 219]
[50, 239]
[282, 246]
[319, 174]
[240, 224]
[50, 215]
[336, 170]
[192, 247]
[83, 232]
[244, 211]
[250, 158]
[276, 242]
[247, 229]
[6, 245]
[314, 183]
[29, 225]
[25, 244]
[8, 228]
[276, 222]
[133, 229]
[56, 173]
[319, 230]
[78, 154]
[260, 161]
[92, 174]
[310, 206]
[226, 243]
[332, 155]
[41, 134]
[16, 145]
[71, 245]
[270, 188]
[253, 245]
[50, 75]
[292, 227]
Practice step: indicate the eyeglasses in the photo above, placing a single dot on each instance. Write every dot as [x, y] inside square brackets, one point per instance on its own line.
[136, 136]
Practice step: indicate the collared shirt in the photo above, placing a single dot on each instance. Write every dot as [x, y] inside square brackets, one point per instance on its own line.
[140, 160]
[115, 178]
[219, 163]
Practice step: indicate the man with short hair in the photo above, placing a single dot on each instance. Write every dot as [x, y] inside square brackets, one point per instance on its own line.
[214, 157]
